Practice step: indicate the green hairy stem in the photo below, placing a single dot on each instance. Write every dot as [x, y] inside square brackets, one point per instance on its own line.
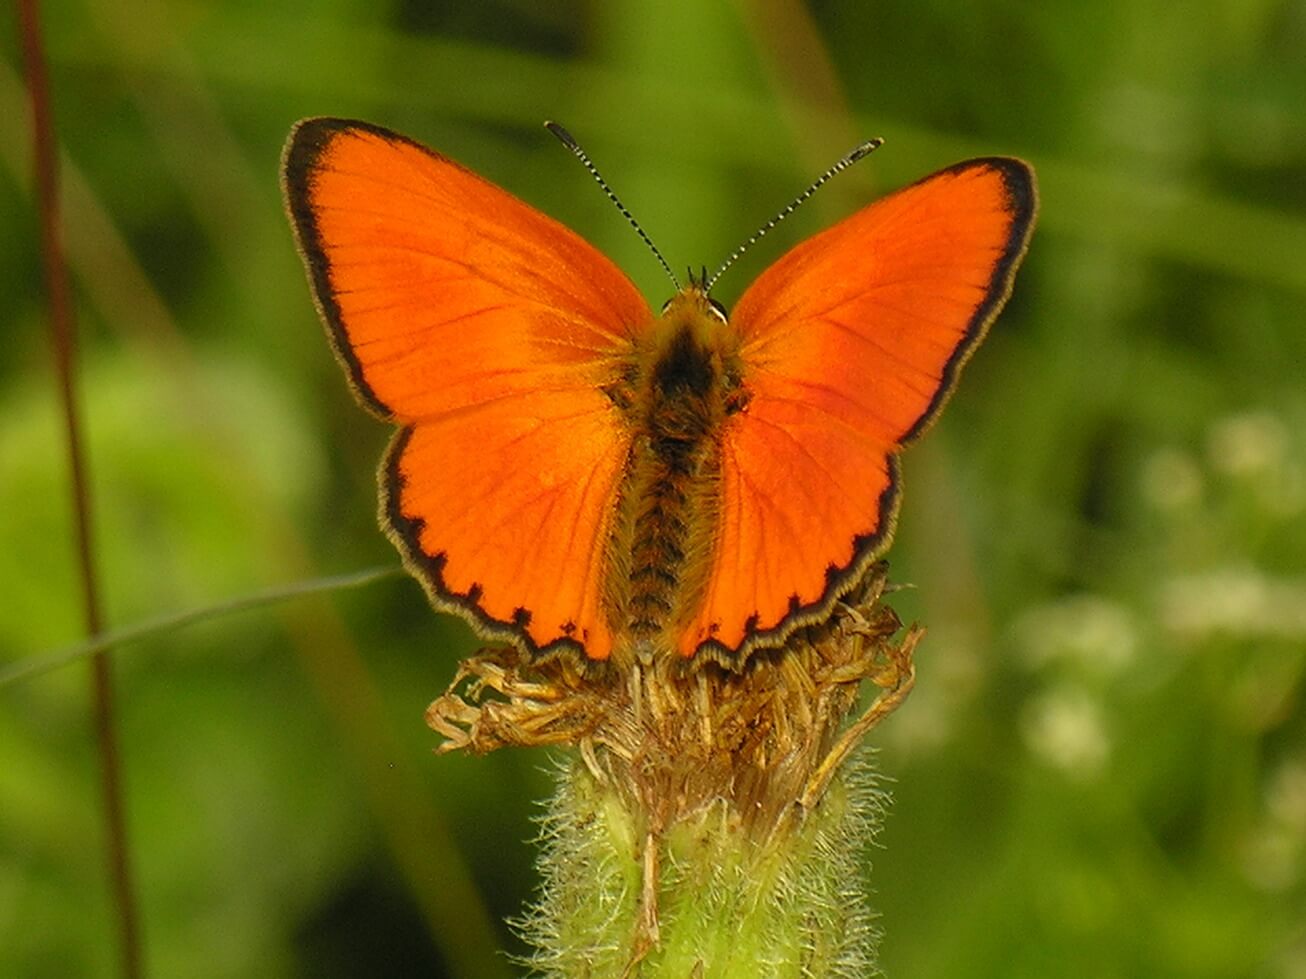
[792, 905]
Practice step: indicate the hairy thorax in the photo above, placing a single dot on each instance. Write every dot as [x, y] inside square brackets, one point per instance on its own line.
[678, 393]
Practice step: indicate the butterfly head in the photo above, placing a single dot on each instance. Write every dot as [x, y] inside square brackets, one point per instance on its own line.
[694, 352]
[693, 320]
[693, 299]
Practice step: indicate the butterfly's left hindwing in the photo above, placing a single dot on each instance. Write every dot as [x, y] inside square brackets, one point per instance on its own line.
[506, 509]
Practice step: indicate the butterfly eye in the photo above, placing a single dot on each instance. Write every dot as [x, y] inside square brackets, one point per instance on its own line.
[718, 309]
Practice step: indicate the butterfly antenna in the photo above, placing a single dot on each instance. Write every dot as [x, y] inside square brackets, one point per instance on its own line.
[569, 141]
[848, 160]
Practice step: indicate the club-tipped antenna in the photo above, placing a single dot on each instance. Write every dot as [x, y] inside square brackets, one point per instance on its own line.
[569, 141]
[848, 160]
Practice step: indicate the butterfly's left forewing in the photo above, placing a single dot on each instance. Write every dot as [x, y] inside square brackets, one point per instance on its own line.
[488, 331]
[852, 343]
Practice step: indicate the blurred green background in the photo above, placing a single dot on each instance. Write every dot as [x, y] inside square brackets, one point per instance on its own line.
[1102, 771]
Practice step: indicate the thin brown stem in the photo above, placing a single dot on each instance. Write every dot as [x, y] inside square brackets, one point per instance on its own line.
[64, 345]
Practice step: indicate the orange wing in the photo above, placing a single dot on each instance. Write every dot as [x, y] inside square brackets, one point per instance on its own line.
[852, 343]
[486, 330]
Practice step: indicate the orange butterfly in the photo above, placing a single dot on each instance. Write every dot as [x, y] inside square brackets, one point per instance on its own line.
[575, 471]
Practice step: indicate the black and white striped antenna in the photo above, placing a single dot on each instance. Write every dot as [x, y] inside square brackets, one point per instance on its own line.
[569, 141]
[848, 160]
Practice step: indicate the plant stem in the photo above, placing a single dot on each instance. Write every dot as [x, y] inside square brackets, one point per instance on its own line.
[65, 349]
[791, 906]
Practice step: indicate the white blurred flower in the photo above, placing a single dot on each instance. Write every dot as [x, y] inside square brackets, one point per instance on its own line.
[1089, 630]
[1271, 859]
[1248, 444]
[1285, 799]
[1272, 853]
[1066, 729]
[1285, 494]
[1241, 602]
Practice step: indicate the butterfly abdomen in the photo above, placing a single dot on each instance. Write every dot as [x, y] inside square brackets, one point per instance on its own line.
[681, 392]
[667, 491]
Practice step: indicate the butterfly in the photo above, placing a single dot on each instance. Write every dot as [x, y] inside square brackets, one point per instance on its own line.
[574, 471]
